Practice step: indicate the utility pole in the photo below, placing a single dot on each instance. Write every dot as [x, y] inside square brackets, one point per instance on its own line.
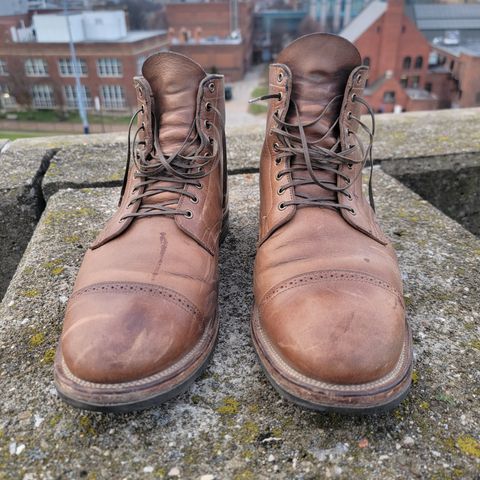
[81, 100]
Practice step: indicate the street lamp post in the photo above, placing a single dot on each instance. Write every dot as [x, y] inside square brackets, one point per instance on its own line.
[81, 100]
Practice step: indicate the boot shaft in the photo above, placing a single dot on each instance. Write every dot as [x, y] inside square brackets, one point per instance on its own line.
[312, 148]
[180, 136]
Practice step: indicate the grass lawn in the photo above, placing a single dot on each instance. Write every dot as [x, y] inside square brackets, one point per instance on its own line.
[260, 107]
[14, 135]
[54, 116]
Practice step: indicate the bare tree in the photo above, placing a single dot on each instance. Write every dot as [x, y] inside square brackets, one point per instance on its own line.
[19, 85]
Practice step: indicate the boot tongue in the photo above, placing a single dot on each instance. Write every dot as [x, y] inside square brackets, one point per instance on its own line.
[174, 80]
[320, 66]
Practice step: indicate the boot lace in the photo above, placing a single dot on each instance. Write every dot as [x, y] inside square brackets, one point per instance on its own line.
[312, 157]
[173, 173]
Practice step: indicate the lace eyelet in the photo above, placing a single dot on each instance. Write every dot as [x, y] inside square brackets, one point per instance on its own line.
[194, 199]
[276, 146]
[188, 214]
[199, 186]
[281, 191]
[282, 206]
[210, 139]
[354, 95]
[278, 176]
[208, 106]
[350, 166]
[208, 125]
[349, 197]
[352, 211]
[278, 161]
[211, 87]
[349, 115]
[280, 77]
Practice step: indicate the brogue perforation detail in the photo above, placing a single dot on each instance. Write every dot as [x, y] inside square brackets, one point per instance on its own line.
[328, 276]
[135, 288]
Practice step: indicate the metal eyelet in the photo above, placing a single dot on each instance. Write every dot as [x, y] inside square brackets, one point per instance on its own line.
[280, 77]
[208, 125]
[349, 115]
[354, 96]
[348, 196]
[349, 181]
[276, 146]
[352, 211]
[208, 106]
[188, 214]
[194, 199]
[210, 139]
[199, 186]
[278, 161]
[211, 87]
[282, 206]
[280, 96]
[359, 79]
[349, 166]
[281, 191]
[278, 176]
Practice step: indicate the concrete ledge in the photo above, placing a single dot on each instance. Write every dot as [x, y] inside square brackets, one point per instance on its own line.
[232, 424]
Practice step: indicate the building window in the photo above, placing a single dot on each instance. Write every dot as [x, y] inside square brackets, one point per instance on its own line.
[42, 96]
[404, 28]
[109, 67]
[113, 97]
[36, 67]
[407, 63]
[366, 61]
[70, 94]
[404, 81]
[379, 29]
[428, 86]
[389, 97]
[419, 62]
[415, 81]
[66, 67]
[7, 100]
[3, 67]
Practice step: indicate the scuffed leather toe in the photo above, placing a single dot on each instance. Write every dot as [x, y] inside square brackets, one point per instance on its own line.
[335, 329]
[123, 332]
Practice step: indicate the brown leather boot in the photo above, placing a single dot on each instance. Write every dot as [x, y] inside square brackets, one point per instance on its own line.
[141, 323]
[329, 322]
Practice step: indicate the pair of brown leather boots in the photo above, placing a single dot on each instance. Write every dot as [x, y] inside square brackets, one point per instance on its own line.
[328, 322]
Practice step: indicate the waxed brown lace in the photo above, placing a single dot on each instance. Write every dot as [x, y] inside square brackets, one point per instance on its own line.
[173, 173]
[312, 157]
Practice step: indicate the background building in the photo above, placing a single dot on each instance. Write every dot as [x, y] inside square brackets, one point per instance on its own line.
[417, 62]
[36, 69]
[218, 35]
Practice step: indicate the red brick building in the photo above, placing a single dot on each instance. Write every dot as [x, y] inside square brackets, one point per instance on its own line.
[398, 56]
[40, 74]
[213, 34]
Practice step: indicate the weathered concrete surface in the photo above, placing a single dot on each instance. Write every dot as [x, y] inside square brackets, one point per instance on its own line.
[232, 424]
[21, 202]
[450, 182]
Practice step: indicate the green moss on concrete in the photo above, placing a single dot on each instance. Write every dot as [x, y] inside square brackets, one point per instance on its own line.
[37, 339]
[230, 406]
[469, 446]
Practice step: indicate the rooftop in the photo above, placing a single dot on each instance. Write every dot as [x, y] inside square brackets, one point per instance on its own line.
[446, 17]
[362, 22]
